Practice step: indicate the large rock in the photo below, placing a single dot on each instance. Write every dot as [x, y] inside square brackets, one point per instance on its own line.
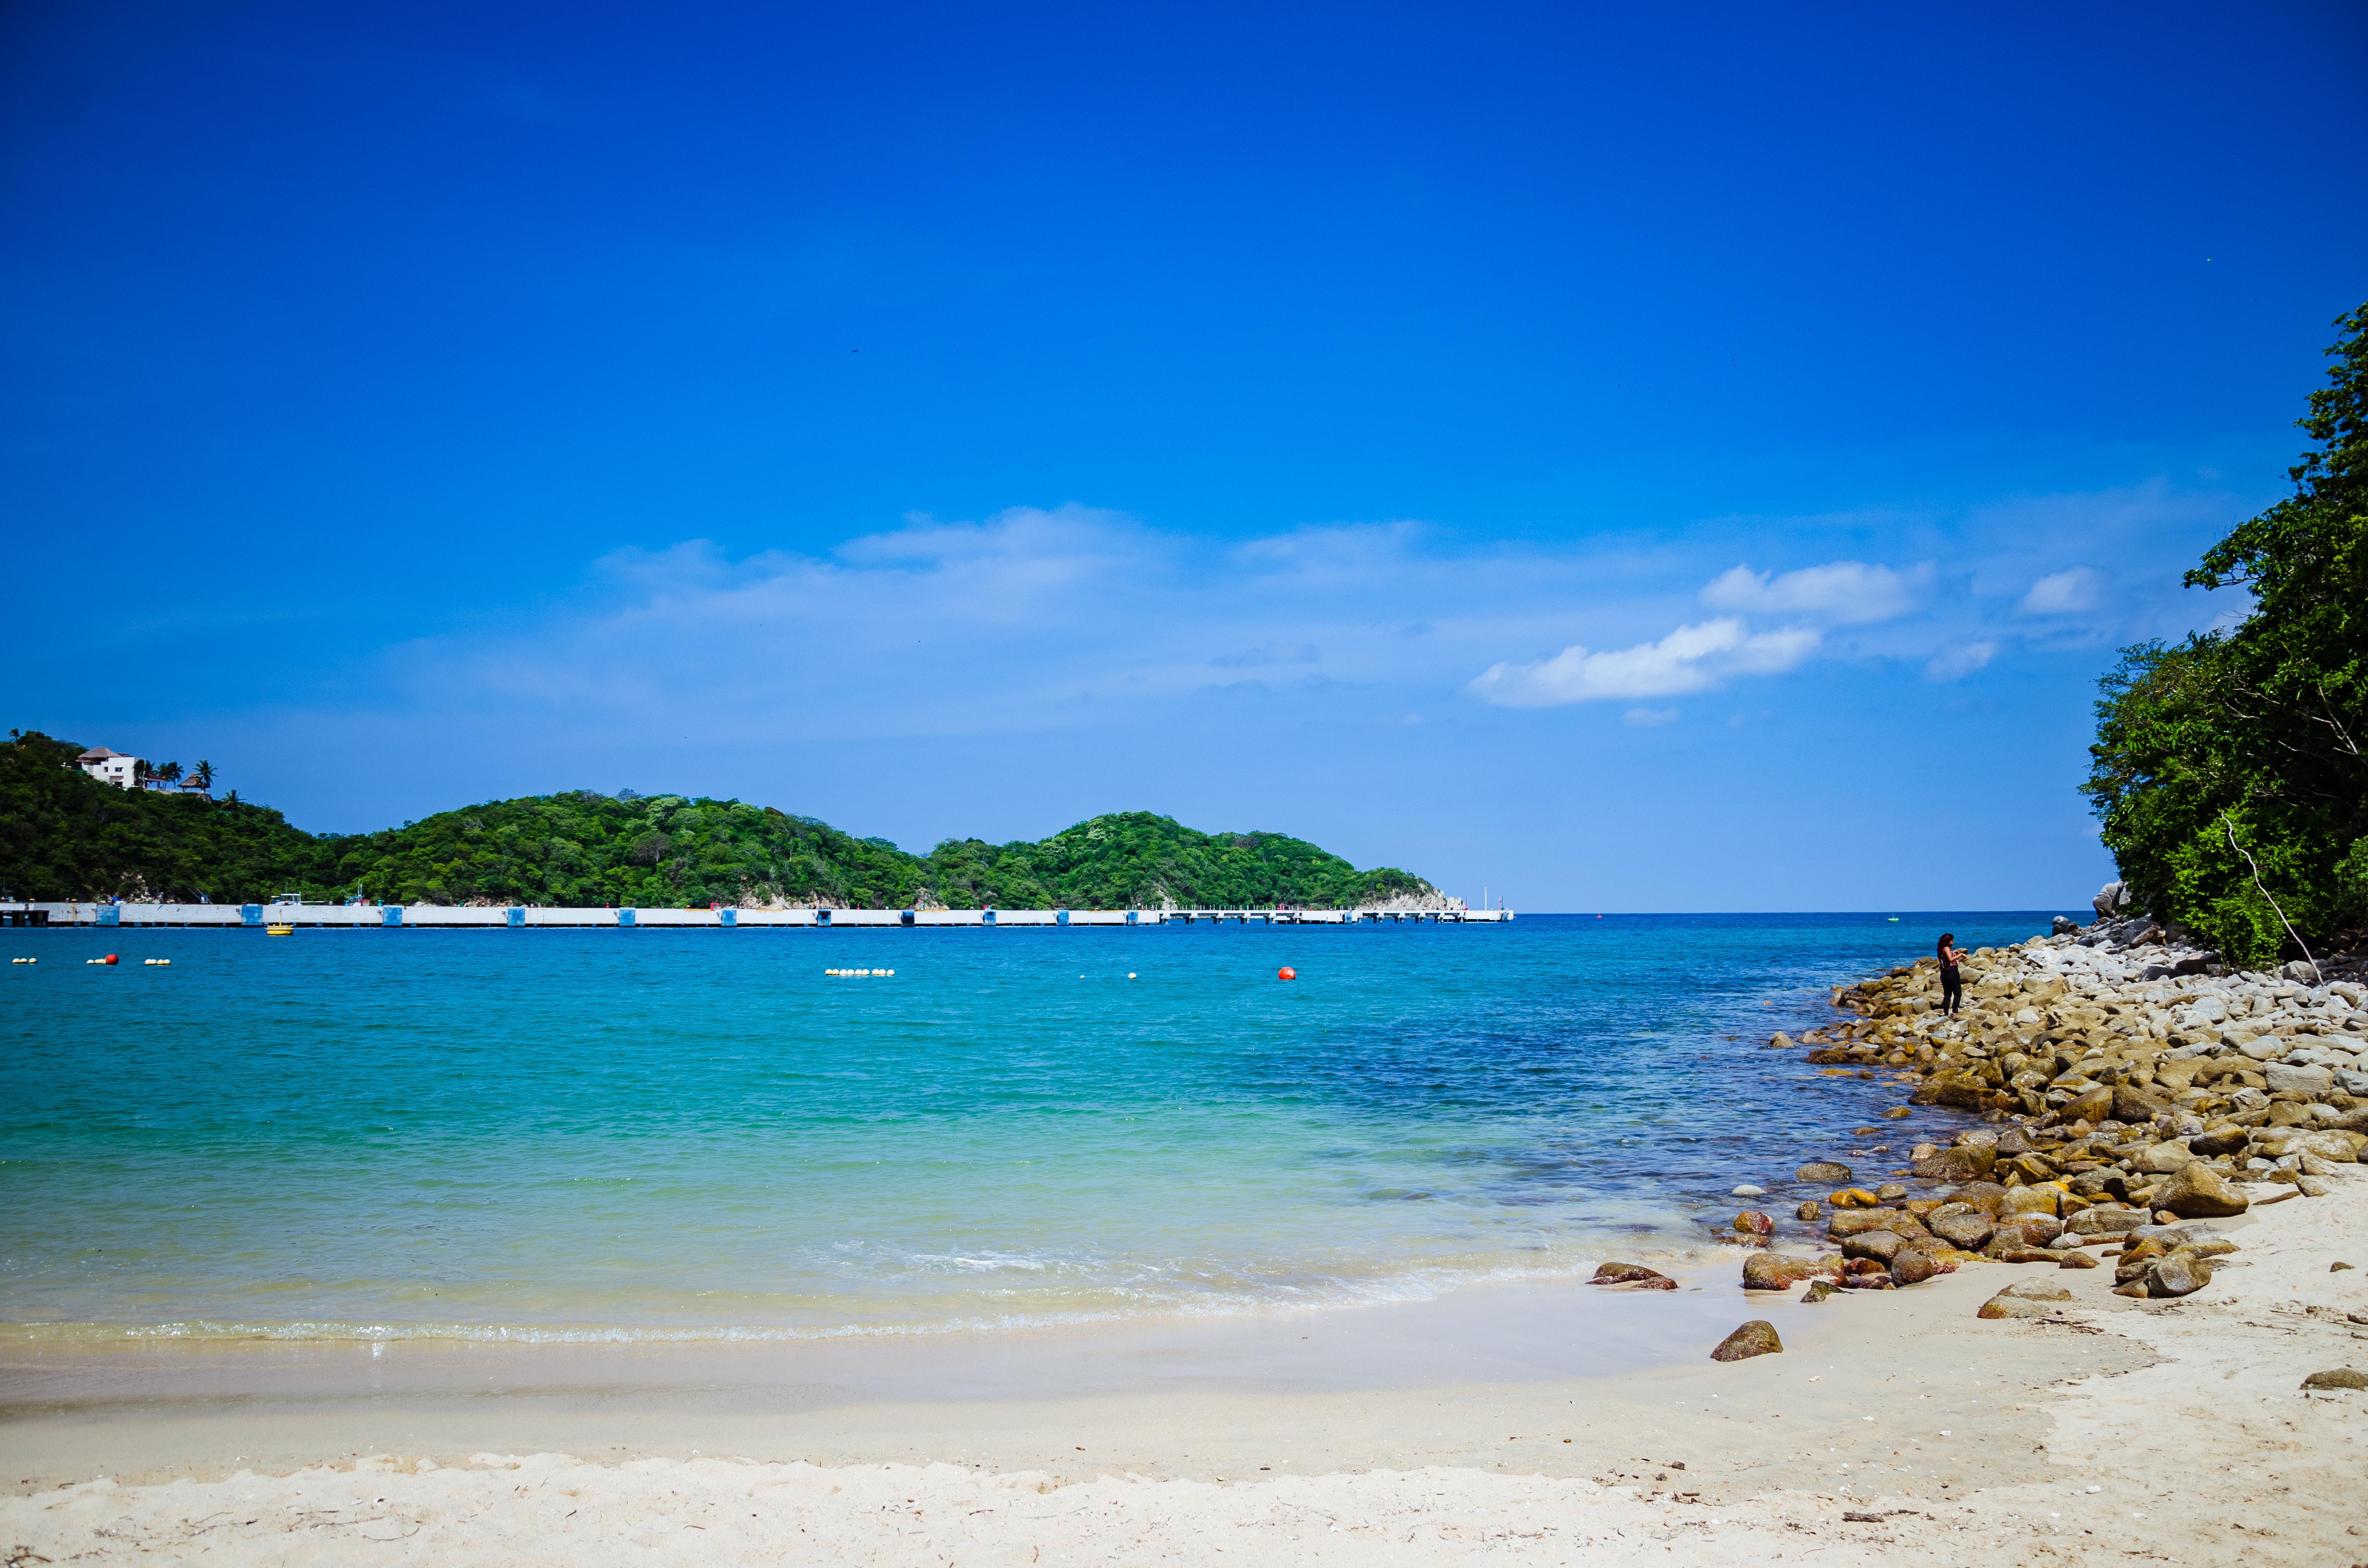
[1823, 1172]
[1857, 1222]
[1634, 1275]
[1880, 1246]
[2341, 1377]
[2344, 1148]
[1752, 1223]
[1963, 1163]
[2298, 1080]
[2133, 1104]
[2006, 1304]
[1986, 1196]
[2110, 900]
[2221, 1138]
[2161, 1159]
[2030, 1200]
[2196, 1191]
[2180, 1274]
[1779, 1271]
[2107, 1222]
[1913, 1266]
[1960, 1225]
[1756, 1337]
[2091, 1105]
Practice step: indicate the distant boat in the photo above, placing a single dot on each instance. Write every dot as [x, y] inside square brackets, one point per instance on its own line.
[279, 930]
[1895, 920]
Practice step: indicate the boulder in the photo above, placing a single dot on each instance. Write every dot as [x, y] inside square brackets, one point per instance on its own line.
[1756, 1337]
[1966, 1163]
[2107, 1222]
[2110, 900]
[1880, 1246]
[2032, 1230]
[2341, 1377]
[2179, 1274]
[1779, 1271]
[1912, 1266]
[2283, 1079]
[2196, 1191]
[2342, 1147]
[2030, 1200]
[2061, 926]
[1823, 1171]
[1817, 1292]
[1851, 1198]
[2073, 1257]
[2133, 1104]
[2220, 1138]
[1986, 1196]
[1752, 1223]
[2004, 1305]
[1856, 1221]
[2161, 1159]
[1634, 1275]
[1809, 1211]
[2091, 1105]
[1960, 1225]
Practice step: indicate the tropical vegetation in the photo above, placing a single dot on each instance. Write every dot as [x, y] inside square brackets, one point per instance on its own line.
[2227, 768]
[66, 835]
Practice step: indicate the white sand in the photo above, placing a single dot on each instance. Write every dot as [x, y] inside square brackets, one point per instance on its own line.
[1975, 1441]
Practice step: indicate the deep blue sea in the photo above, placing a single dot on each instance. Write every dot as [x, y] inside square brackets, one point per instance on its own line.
[589, 1134]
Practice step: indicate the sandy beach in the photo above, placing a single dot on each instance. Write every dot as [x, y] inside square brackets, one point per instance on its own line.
[1898, 1422]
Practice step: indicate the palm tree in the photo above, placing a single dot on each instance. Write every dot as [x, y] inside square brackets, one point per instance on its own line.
[202, 775]
[170, 773]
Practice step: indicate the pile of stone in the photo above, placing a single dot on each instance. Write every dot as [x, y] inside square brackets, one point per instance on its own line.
[2127, 1086]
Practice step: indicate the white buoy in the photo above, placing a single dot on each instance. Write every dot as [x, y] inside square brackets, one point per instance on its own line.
[1129, 974]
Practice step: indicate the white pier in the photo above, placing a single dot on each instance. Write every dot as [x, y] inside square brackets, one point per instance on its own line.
[414, 916]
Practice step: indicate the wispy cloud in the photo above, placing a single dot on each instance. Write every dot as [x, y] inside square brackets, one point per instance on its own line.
[1648, 718]
[2064, 593]
[1692, 658]
[1959, 660]
[1846, 593]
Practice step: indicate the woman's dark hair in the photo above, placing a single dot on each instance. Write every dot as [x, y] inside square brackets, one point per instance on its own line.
[1948, 940]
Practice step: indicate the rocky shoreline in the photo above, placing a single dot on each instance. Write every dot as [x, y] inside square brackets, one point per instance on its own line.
[2129, 1091]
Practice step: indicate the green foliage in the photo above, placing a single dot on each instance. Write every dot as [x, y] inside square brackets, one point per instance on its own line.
[2227, 768]
[64, 835]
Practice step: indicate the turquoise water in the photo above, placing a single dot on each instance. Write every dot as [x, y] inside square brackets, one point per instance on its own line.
[547, 1134]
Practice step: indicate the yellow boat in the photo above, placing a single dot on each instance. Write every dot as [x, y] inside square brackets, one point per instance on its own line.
[279, 930]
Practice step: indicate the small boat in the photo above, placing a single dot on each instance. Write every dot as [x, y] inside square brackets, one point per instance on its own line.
[279, 930]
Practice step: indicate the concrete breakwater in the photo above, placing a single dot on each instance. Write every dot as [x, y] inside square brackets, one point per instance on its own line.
[355, 916]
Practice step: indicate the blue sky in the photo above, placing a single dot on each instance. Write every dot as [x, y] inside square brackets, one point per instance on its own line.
[1625, 458]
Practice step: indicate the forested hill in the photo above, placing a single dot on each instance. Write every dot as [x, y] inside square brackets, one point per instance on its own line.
[65, 835]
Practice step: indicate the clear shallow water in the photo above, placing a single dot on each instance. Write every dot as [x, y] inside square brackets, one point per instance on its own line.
[650, 1134]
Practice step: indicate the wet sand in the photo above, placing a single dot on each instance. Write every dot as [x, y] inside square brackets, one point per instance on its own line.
[1546, 1424]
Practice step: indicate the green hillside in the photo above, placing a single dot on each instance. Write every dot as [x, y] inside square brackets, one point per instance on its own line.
[64, 835]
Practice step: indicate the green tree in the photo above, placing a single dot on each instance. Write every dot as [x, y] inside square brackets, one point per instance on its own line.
[2227, 768]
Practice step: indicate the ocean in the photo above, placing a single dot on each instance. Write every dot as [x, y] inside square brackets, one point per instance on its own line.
[587, 1136]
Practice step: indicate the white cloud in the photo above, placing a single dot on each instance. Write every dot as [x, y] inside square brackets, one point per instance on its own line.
[1959, 660]
[1692, 658]
[1648, 718]
[2063, 592]
[1848, 593]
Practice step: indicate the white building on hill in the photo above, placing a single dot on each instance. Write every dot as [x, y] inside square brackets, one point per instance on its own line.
[116, 768]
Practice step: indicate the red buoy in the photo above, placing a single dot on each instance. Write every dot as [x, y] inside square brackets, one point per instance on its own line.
[1286, 974]
[108, 959]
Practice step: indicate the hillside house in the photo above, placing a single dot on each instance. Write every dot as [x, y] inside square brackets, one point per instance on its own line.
[113, 767]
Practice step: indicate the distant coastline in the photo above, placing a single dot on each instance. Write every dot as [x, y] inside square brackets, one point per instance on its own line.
[74, 837]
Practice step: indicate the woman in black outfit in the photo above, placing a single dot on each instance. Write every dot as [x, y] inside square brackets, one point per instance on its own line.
[1953, 990]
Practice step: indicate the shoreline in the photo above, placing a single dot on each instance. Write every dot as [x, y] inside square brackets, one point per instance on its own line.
[2094, 1426]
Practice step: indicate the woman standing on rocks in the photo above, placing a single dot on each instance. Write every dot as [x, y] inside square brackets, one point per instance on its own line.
[1953, 990]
